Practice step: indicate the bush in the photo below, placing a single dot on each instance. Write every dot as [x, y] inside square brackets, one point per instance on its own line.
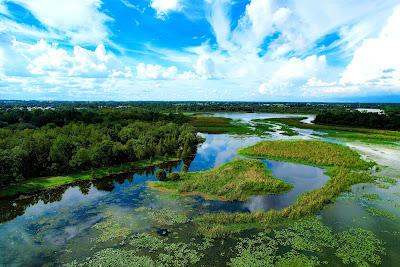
[173, 176]
[161, 175]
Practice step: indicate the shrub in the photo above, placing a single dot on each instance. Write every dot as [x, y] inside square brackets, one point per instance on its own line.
[173, 176]
[161, 175]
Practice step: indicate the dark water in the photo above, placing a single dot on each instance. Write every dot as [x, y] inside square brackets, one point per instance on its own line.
[61, 225]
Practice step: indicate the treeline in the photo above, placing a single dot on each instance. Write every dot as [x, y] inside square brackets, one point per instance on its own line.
[202, 106]
[75, 146]
[389, 121]
[25, 118]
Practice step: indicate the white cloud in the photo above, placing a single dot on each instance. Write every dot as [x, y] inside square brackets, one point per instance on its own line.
[154, 72]
[79, 20]
[218, 19]
[3, 8]
[255, 25]
[205, 67]
[377, 60]
[163, 7]
[48, 59]
[291, 73]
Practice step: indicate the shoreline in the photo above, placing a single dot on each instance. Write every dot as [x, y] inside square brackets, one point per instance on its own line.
[40, 184]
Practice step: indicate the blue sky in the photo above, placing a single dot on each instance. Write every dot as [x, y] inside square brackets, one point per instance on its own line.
[254, 50]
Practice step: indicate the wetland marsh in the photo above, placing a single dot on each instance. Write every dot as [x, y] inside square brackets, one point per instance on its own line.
[325, 194]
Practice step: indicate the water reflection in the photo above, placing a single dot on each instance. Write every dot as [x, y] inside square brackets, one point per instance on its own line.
[303, 178]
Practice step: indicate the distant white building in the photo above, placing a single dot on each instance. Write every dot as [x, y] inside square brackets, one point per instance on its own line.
[371, 110]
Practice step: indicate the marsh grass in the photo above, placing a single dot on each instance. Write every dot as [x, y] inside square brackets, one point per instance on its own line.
[236, 180]
[221, 125]
[344, 166]
[309, 152]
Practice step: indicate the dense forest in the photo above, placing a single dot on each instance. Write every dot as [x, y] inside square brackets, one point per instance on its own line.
[53, 142]
[387, 121]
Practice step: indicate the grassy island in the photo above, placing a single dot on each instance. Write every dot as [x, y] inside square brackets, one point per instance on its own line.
[236, 180]
[344, 166]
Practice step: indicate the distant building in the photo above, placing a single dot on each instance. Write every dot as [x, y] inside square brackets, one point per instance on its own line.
[371, 110]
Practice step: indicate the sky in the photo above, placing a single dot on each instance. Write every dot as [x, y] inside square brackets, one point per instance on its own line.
[253, 50]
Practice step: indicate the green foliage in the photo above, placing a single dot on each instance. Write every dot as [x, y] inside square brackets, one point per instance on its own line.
[359, 247]
[84, 144]
[362, 119]
[236, 180]
[161, 174]
[173, 176]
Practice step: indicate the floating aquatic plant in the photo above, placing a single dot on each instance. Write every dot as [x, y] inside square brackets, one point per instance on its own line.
[359, 247]
[309, 235]
[381, 213]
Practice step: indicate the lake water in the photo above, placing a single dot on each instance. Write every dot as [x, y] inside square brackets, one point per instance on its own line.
[61, 225]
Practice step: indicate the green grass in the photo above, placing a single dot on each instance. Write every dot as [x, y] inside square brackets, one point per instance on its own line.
[345, 133]
[236, 180]
[44, 183]
[344, 166]
[217, 125]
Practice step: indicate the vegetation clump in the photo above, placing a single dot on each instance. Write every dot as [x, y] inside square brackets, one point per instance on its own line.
[161, 174]
[236, 180]
[173, 176]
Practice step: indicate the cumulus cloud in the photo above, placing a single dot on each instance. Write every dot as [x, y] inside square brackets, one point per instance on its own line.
[205, 67]
[154, 72]
[48, 59]
[377, 60]
[79, 20]
[163, 7]
[291, 72]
